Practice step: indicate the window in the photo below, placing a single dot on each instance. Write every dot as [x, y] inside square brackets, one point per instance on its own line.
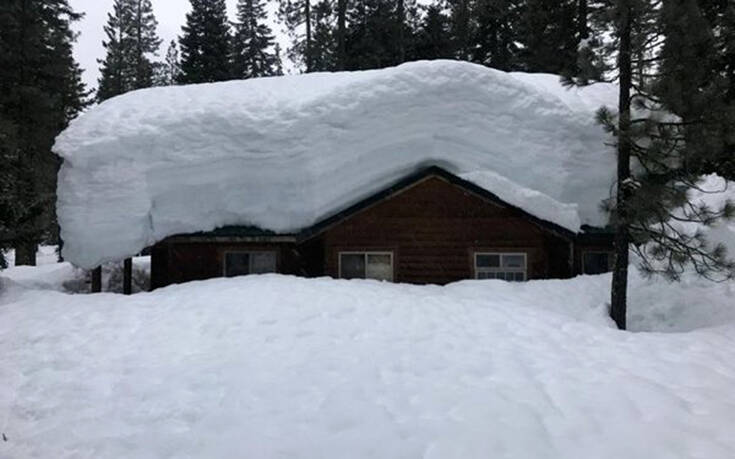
[242, 263]
[506, 266]
[597, 262]
[366, 265]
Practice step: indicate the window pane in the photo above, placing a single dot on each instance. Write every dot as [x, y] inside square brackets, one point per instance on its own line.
[237, 264]
[488, 261]
[513, 261]
[379, 267]
[485, 275]
[262, 262]
[519, 277]
[596, 262]
[352, 266]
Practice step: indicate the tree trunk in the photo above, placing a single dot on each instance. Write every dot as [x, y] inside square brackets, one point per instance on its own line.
[128, 276]
[582, 27]
[341, 32]
[25, 254]
[307, 49]
[618, 300]
[97, 280]
[401, 41]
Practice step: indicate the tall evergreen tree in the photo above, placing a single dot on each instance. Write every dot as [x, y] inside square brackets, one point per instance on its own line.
[341, 34]
[167, 73]
[324, 40]
[462, 27]
[40, 91]
[115, 75]
[664, 57]
[145, 42]
[548, 35]
[279, 62]
[131, 43]
[205, 43]
[495, 36]
[297, 16]
[433, 39]
[252, 41]
[379, 34]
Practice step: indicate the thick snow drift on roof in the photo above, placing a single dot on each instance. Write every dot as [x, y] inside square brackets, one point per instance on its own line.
[532, 201]
[282, 153]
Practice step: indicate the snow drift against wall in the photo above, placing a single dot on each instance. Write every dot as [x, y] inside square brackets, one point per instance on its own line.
[282, 153]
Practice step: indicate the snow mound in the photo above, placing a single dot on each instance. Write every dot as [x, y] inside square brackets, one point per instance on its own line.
[282, 153]
[273, 366]
[532, 201]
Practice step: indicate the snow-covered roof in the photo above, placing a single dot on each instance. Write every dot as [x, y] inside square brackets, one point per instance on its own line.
[532, 201]
[282, 153]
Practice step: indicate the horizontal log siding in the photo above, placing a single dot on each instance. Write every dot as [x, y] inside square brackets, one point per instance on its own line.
[178, 262]
[434, 227]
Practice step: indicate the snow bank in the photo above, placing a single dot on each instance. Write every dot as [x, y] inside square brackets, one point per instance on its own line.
[274, 366]
[284, 152]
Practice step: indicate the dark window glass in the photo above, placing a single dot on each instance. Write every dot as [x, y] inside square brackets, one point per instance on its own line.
[513, 261]
[262, 262]
[488, 261]
[237, 264]
[352, 266]
[597, 262]
[243, 263]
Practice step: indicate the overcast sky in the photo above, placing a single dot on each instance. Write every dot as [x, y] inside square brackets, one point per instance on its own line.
[171, 15]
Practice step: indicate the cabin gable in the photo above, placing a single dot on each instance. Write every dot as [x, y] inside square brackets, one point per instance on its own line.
[434, 227]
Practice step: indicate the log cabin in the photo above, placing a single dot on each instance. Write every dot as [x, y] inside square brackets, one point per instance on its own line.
[431, 227]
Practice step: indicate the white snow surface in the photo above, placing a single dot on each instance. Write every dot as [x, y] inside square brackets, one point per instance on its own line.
[532, 201]
[274, 366]
[283, 152]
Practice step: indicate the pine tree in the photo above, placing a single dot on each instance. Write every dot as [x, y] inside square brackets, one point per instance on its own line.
[295, 15]
[720, 16]
[433, 39]
[664, 61]
[324, 43]
[205, 43]
[145, 42]
[548, 34]
[379, 34]
[252, 42]
[167, 73]
[40, 91]
[593, 52]
[462, 27]
[279, 62]
[341, 34]
[115, 75]
[131, 43]
[495, 36]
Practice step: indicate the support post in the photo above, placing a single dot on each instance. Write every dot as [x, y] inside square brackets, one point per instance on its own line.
[128, 276]
[97, 279]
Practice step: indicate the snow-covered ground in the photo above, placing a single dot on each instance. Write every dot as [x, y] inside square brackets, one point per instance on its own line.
[275, 366]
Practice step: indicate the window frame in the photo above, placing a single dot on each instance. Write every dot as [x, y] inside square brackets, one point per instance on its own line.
[477, 270]
[365, 253]
[250, 261]
[610, 260]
